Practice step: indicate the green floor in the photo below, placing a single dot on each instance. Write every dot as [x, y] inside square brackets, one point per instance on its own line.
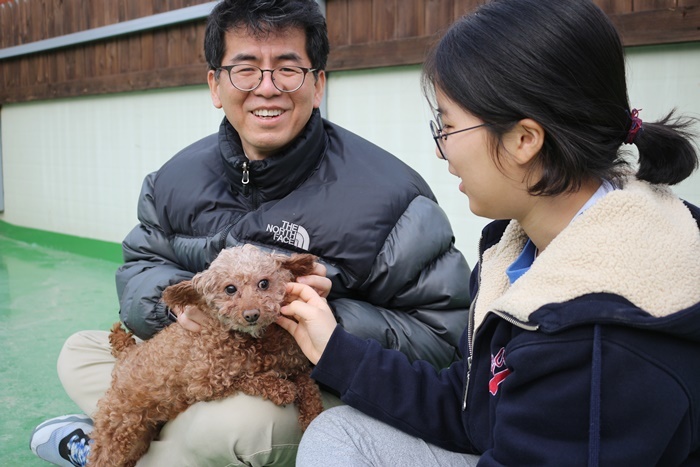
[45, 295]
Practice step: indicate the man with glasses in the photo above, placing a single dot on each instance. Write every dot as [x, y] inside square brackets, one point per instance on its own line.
[278, 176]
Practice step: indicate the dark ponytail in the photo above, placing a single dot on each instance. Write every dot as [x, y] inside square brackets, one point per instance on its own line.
[666, 154]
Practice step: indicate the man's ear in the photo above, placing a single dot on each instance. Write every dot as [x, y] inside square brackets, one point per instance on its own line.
[319, 88]
[299, 264]
[181, 295]
[214, 88]
[524, 141]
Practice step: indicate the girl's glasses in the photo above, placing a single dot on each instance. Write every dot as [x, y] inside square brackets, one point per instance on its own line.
[440, 136]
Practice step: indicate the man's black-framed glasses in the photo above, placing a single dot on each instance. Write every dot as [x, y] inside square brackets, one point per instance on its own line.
[248, 77]
[440, 136]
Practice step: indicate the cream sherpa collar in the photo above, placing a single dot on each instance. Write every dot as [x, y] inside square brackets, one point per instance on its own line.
[640, 242]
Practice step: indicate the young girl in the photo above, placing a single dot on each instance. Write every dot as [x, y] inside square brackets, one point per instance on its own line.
[584, 339]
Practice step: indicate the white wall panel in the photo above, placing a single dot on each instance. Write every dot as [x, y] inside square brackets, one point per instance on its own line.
[75, 166]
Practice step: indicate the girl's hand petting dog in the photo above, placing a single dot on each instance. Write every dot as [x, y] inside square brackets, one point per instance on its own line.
[317, 280]
[309, 319]
[190, 317]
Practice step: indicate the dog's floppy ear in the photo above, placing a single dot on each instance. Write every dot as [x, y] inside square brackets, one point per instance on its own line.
[299, 264]
[181, 294]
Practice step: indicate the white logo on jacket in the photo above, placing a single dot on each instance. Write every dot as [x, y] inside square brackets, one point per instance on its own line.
[290, 233]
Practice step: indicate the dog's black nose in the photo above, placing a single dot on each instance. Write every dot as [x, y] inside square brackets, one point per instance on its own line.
[251, 315]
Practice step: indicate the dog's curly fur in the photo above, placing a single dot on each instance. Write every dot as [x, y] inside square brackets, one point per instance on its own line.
[238, 349]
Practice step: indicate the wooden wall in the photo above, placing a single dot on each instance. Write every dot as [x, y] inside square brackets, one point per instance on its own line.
[165, 57]
[370, 33]
[363, 34]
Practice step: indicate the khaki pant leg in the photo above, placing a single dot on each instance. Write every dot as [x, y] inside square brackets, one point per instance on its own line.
[85, 368]
[238, 431]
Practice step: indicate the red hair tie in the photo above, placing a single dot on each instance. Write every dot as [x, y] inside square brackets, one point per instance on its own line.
[635, 127]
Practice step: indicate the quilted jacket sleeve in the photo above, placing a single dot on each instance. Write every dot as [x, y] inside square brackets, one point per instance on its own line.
[416, 296]
[150, 266]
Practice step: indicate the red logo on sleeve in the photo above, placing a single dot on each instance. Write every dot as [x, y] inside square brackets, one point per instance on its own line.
[499, 371]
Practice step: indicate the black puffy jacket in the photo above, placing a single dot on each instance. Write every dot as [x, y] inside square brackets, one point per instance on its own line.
[373, 221]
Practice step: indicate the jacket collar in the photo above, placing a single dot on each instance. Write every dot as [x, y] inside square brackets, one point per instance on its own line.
[642, 228]
[278, 175]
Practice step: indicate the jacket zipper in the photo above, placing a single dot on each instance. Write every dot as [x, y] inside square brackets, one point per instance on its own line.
[470, 344]
[470, 328]
[246, 178]
[514, 321]
[249, 188]
[245, 181]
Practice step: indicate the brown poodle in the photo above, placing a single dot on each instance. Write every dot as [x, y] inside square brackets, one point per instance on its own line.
[240, 348]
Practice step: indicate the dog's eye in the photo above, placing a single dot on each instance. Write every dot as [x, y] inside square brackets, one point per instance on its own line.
[264, 284]
[230, 289]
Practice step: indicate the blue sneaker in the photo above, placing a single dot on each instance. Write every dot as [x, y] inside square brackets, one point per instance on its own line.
[63, 440]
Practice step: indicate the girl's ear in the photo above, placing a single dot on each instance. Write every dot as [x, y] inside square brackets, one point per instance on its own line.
[181, 294]
[299, 264]
[524, 141]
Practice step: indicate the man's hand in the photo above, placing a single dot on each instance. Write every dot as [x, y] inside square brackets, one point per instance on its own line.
[190, 317]
[309, 319]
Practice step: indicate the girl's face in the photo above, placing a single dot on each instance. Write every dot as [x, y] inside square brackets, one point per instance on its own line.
[496, 186]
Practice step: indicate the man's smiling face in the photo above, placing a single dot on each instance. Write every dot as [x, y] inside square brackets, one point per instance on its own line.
[266, 118]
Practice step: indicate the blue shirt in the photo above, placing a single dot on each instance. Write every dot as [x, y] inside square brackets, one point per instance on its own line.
[524, 261]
